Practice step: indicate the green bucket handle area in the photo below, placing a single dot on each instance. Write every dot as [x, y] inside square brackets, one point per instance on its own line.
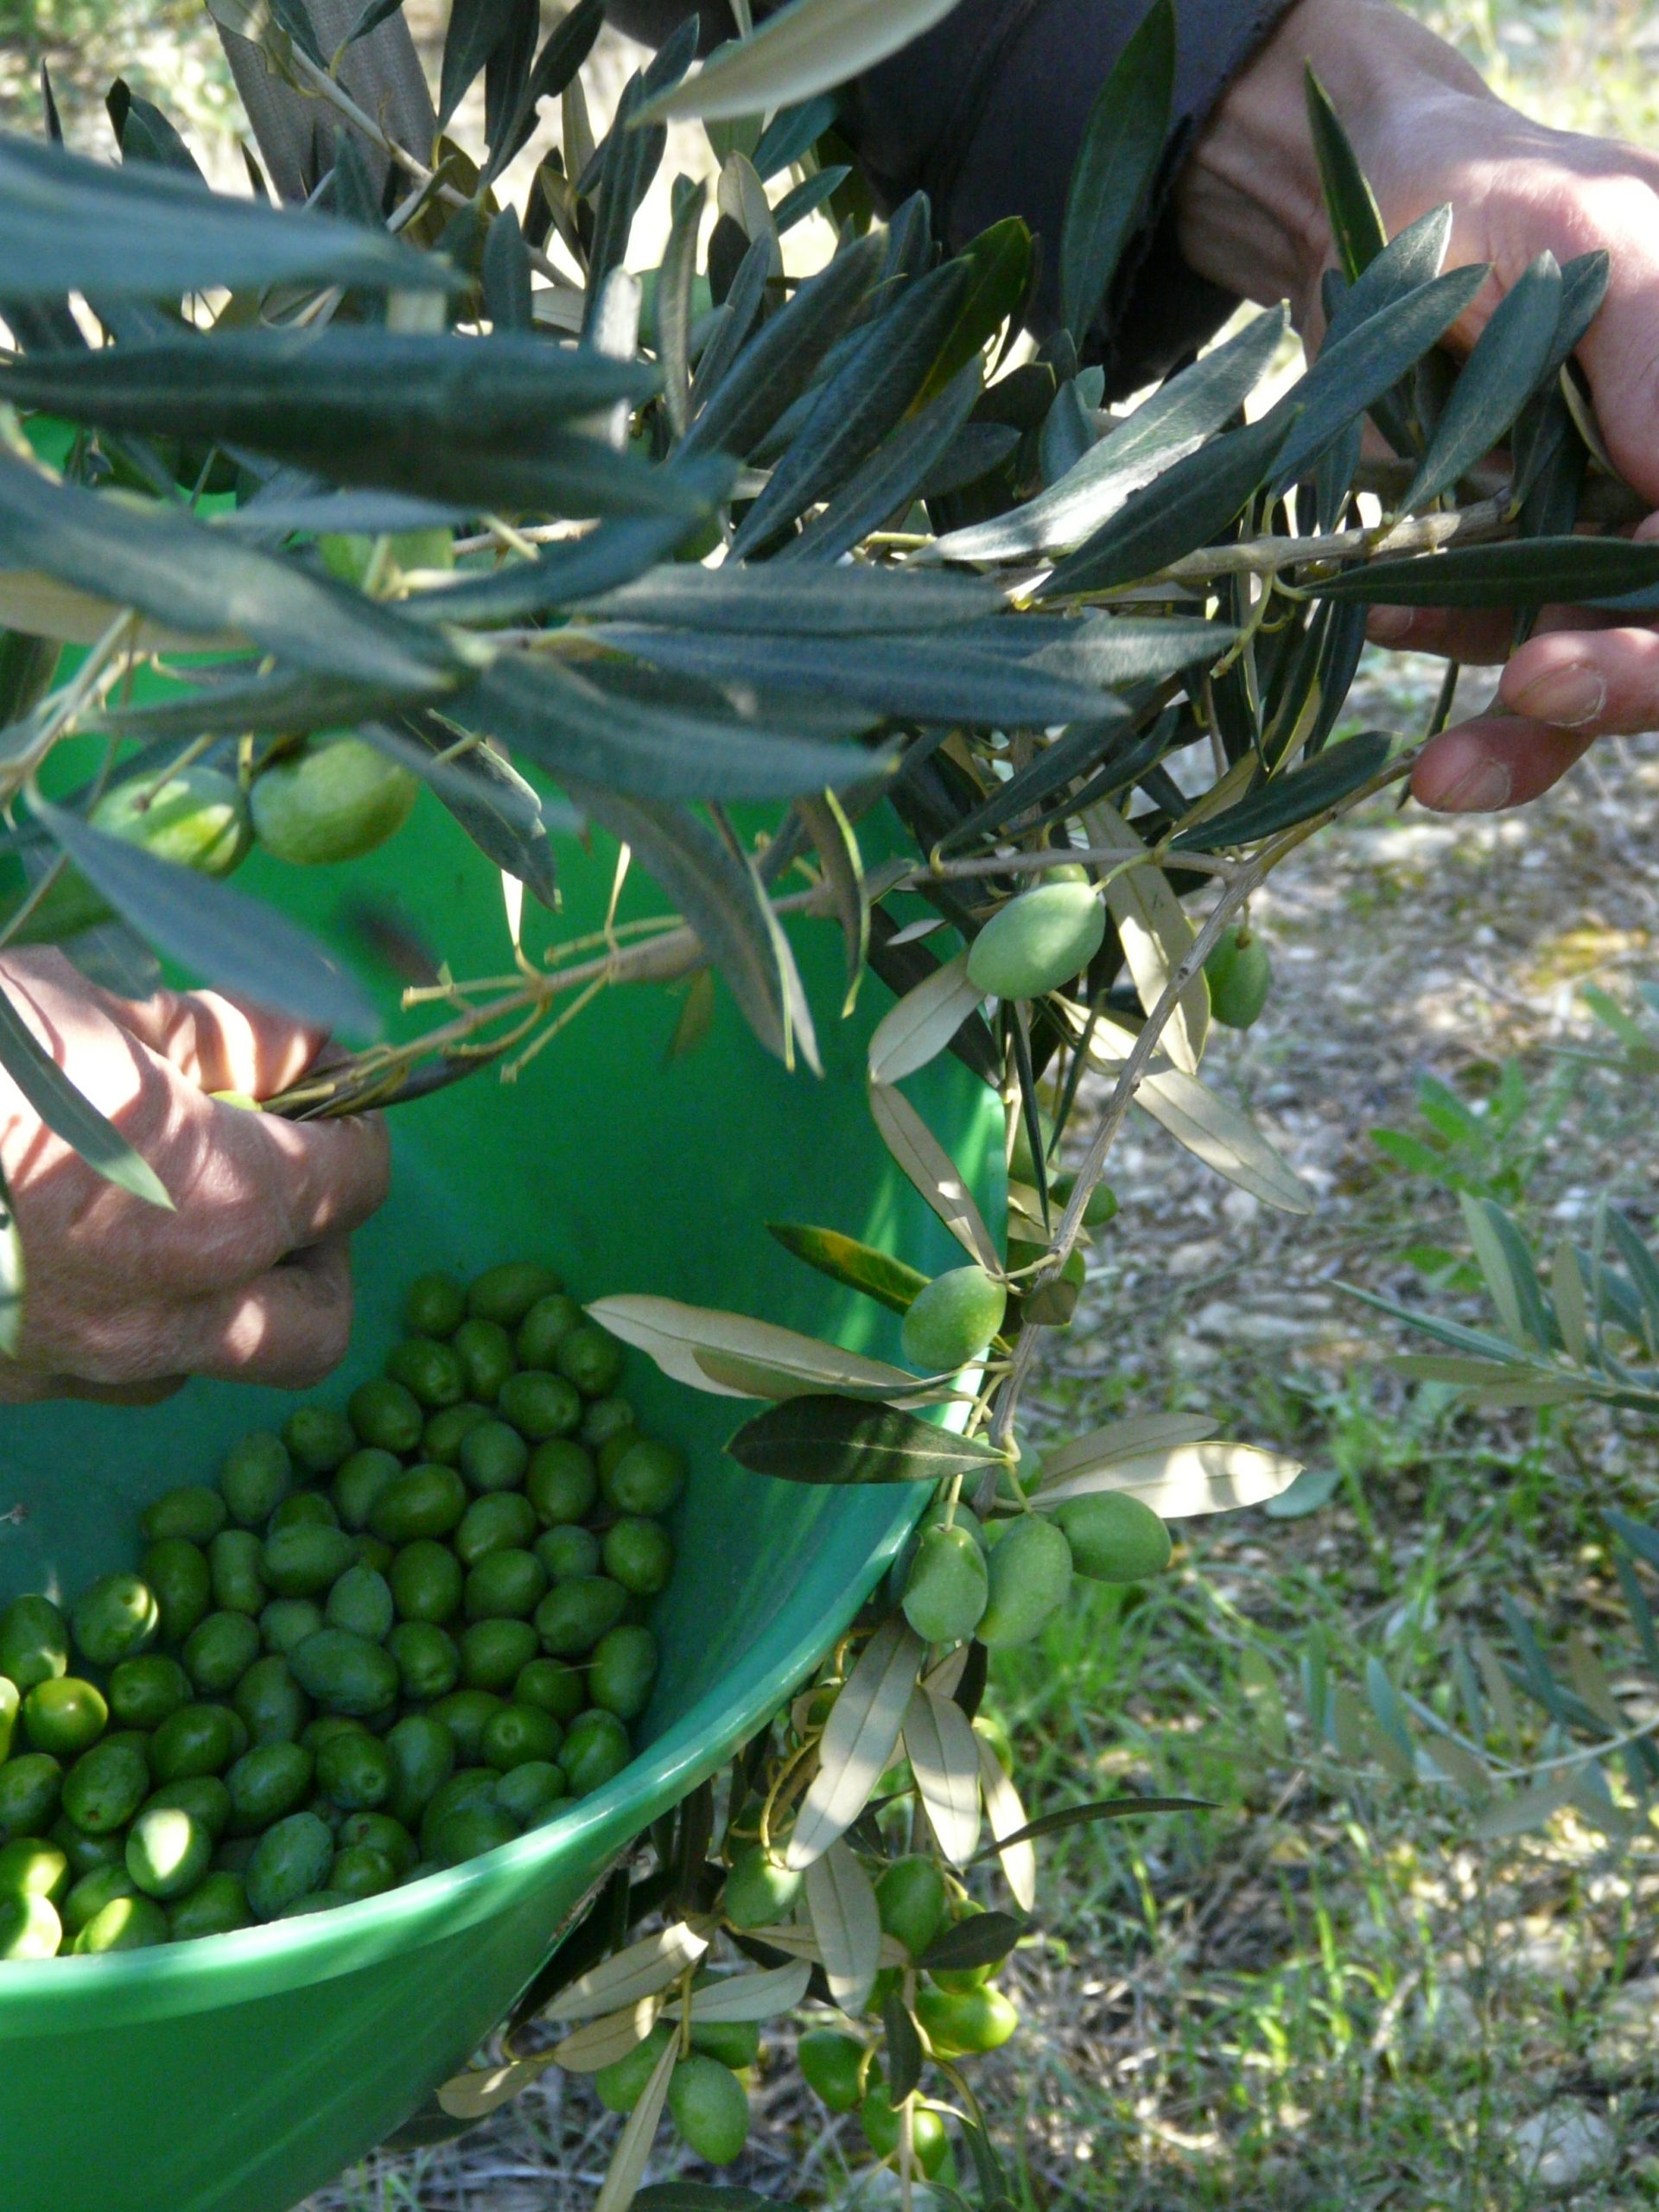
[239, 2073]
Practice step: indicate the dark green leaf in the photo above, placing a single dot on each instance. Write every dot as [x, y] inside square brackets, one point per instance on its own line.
[891, 1282]
[373, 14]
[1101, 1809]
[859, 406]
[1283, 800]
[998, 260]
[1355, 223]
[904, 2046]
[1583, 287]
[569, 728]
[807, 197]
[607, 557]
[1509, 360]
[909, 678]
[1354, 371]
[479, 421]
[780, 361]
[823, 1439]
[1576, 571]
[631, 157]
[1639, 1538]
[1077, 751]
[1640, 1265]
[74, 225]
[1162, 431]
[718, 896]
[1122, 146]
[674, 283]
[506, 275]
[144, 134]
[194, 579]
[287, 701]
[845, 603]
[239, 945]
[506, 82]
[1186, 507]
[476, 27]
[984, 1939]
[77, 1120]
[891, 478]
[792, 132]
[1410, 260]
[500, 811]
[1118, 650]
[567, 47]
[741, 305]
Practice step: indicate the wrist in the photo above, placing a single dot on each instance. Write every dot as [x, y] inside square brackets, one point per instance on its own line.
[1250, 207]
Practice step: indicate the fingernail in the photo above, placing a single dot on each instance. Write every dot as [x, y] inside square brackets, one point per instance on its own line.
[1565, 696]
[1483, 791]
[1388, 625]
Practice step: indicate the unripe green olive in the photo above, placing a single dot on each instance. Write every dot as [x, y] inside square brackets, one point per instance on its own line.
[911, 1898]
[197, 818]
[952, 1320]
[760, 1890]
[971, 2020]
[1030, 1577]
[1240, 976]
[879, 2119]
[708, 2105]
[947, 1587]
[1037, 942]
[832, 2064]
[335, 799]
[1113, 1537]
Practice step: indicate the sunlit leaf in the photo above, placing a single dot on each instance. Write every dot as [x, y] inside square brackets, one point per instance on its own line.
[1156, 938]
[847, 1923]
[944, 1754]
[641, 1971]
[891, 1282]
[1351, 205]
[917, 1029]
[1186, 1480]
[859, 1739]
[761, 1996]
[931, 1171]
[806, 47]
[632, 2153]
[679, 1337]
[1124, 1440]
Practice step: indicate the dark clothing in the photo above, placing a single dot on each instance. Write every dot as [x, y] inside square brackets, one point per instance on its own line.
[985, 113]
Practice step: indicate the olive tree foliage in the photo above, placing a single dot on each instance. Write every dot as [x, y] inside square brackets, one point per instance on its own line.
[561, 537]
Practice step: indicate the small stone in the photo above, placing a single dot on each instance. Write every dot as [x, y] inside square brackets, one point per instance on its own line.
[1562, 2145]
[1626, 2040]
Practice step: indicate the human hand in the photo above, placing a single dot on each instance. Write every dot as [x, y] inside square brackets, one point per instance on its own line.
[250, 1278]
[1426, 130]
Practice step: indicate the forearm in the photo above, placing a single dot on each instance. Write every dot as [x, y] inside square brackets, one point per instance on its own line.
[1249, 208]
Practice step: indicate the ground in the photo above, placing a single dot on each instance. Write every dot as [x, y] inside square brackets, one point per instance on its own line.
[1334, 1988]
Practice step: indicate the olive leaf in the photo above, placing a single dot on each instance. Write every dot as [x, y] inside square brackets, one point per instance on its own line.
[1121, 151]
[807, 197]
[673, 311]
[805, 48]
[917, 1029]
[239, 945]
[1186, 1480]
[1000, 264]
[476, 27]
[792, 132]
[229, 702]
[984, 1939]
[846, 1922]
[1124, 1440]
[565, 49]
[891, 1282]
[691, 1344]
[859, 1739]
[1156, 938]
[632, 2154]
[814, 1437]
[72, 1116]
[738, 314]
[639, 1971]
[600, 2043]
[893, 476]
[1098, 1809]
[146, 232]
[1528, 572]
[1164, 430]
[1210, 1127]
[902, 2043]
[1509, 360]
[475, 2094]
[1186, 507]
[1006, 1818]
[1351, 205]
[606, 559]
[1281, 801]
[759, 1996]
[943, 1754]
[844, 602]
[933, 1172]
[1117, 651]
[836, 845]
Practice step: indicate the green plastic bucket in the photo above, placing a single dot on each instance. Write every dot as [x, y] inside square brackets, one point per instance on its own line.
[239, 2073]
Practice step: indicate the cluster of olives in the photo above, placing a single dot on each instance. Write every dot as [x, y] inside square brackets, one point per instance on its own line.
[391, 1638]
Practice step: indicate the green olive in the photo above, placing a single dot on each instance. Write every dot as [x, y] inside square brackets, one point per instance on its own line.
[197, 817]
[217, 1906]
[129, 1923]
[620, 2085]
[272, 1705]
[441, 1440]
[591, 1359]
[196, 1739]
[1031, 1579]
[115, 1617]
[486, 1356]
[539, 1404]
[561, 1484]
[548, 1683]
[361, 1601]
[434, 1306]
[304, 1559]
[287, 1621]
[427, 1664]
[33, 1641]
[195, 1513]
[1038, 941]
[505, 1521]
[428, 1500]
[532, 1791]
[335, 799]
[949, 1586]
[493, 1457]
[647, 1479]
[952, 1320]
[505, 1294]
[204, 1797]
[290, 1861]
[833, 2066]
[95, 1889]
[105, 1786]
[65, 1716]
[423, 1759]
[880, 2120]
[144, 1691]
[167, 1851]
[733, 2042]
[256, 1476]
[506, 1585]
[426, 1581]
[911, 1898]
[595, 1751]
[31, 1867]
[359, 1871]
[357, 1773]
[568, 1550]
[470, 1832]
[219, 1651]
[1113, 1537]
[386, 1415]
[380, 1832]
[465, 1713]
[517, 1733]
[623, 1671]
[84, 1851]
[359, 1482]
[575, 1613]
[319, 1439]
[29, 1927]
[760, 1890]
[548, 1321]
[346, 1674]
[177, 1571]
[639, 1554]
[493, 1651]
[235, 1560]
[429, 1370]
[1240, 976]
[708, 2105]
[973, 2020]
